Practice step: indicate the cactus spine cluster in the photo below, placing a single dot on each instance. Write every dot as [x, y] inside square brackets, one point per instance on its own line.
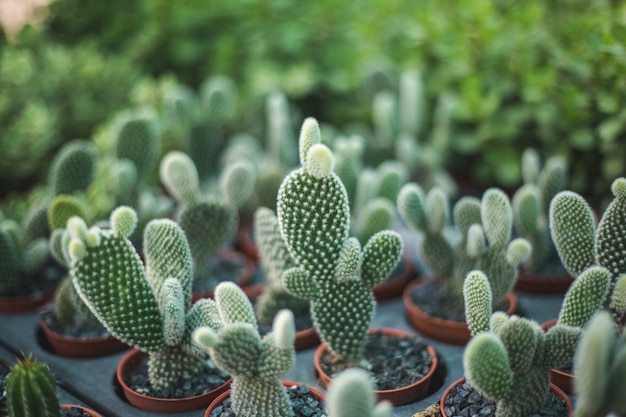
[509, 358]
[333, 271]
[350, 394]
[484, 231]
[256, 365]
[146, 307]
[31, 390]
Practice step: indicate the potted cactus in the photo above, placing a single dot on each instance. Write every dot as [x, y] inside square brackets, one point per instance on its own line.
[333, 271]
[147, 307]
[31, 392]
[508, 359]
[350, 395]
[256, 364]
[481, 239]
[542, 272]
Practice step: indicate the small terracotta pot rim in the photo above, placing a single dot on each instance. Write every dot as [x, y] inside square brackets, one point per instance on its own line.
[88, 410]
[85, 340]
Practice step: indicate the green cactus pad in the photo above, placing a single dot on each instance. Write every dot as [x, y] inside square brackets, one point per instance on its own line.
[486, 365]
[73, 167]
[31, 390]
[586, 295]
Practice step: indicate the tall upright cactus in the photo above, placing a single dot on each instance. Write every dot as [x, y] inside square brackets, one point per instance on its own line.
[256, 365]
[581, 245]
[334, 272]
[484, 231]
[509, 358]
[31, 390]
[350, 394]
[146, 307]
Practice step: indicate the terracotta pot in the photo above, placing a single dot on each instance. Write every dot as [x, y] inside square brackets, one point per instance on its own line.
[445, 331]
[305, 339]
[556, 390]
[80, 348]
[403, 395]
[85, 409]
[162, 405]
[393, 287]
[220, 398]
[543, 284]
[25, 304]
[245, 277]
[563, 380]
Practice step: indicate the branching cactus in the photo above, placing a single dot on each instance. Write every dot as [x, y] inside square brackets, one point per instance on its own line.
[483, 229]
[275, 260]
[31, 390]
[509, 358]
[350, 394]
[334, 272]
[209, 221]
[600, 369]
[256, 365]
[531, 205]
[146, 307]
[581, 245]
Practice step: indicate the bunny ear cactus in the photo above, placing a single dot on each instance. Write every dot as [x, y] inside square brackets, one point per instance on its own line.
[600, 369]
[334, 272]
[350, 394]
[256, 365]
[31, 390]
[509, 358]
[137, 139]
[73, 167]
[148, 308]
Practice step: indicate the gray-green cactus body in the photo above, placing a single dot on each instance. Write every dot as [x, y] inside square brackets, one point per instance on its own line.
[146, 307]
[350, 394]
[73, 167]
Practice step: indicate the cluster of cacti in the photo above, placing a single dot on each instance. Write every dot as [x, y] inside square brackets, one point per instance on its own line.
[531, 204]
[333, 271]
[581, 244]
[31, 390]
[209, 219]
[350, 394]
[483, 238]
[275, 259]
[148, 307]
[256, 365]
[600, 369]
[509, 359]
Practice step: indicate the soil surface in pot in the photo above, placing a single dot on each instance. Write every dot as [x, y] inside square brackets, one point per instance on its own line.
[395, 362]
[303, 401]
[430, 299]
[74, 412]
[46, 280]
[78, 329]
[219, 269]
[206, 380]
[4, 371]
[302, 321]
[465, 401]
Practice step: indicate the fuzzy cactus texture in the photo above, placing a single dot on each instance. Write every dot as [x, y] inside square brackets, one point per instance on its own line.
[531, 204]
[256, 365]
[73, 167]
[148, 307]
[334, 272]
[509, 358]
[31, 390]
[484, 229]
[350, 394]
[600, 369]
[62, 208]
[137, 139]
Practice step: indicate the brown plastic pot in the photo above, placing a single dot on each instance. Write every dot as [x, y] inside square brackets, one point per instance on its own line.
[85, 409]
[162, 405]
[393, 287]
[220, 398]
[563, 380]
[556, 390]
[446, 331]
[81, 348]
[245, 277]
[543, 284]
[25, 304]
[398, 396]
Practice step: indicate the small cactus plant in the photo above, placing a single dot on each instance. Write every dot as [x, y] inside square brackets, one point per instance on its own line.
[350, 394]
[256, 365]
[600, 369]
[333, 271]
[146, 307]
[509, 358]
[484, 230]
[31, 390]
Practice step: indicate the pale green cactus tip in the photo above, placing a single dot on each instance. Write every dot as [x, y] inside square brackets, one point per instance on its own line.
[350, 394]
[237, 182]
[319, 161]
[123, 221]
[600, 369]
[179, 176]
[586, 295]
[478, 301]
[618, 187]
[310, 135]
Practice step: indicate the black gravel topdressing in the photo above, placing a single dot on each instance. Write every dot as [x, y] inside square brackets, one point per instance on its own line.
[4, 371]
[78, 329]
[74, 412]
[395, 362]
[464, 401]
[431, 301]
[305, 404]
[207, 380]
[48, 279]
[302, 321]
[220, 269]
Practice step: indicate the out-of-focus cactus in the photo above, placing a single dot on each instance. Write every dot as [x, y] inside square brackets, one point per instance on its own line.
[350, 394]
[31, 390]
